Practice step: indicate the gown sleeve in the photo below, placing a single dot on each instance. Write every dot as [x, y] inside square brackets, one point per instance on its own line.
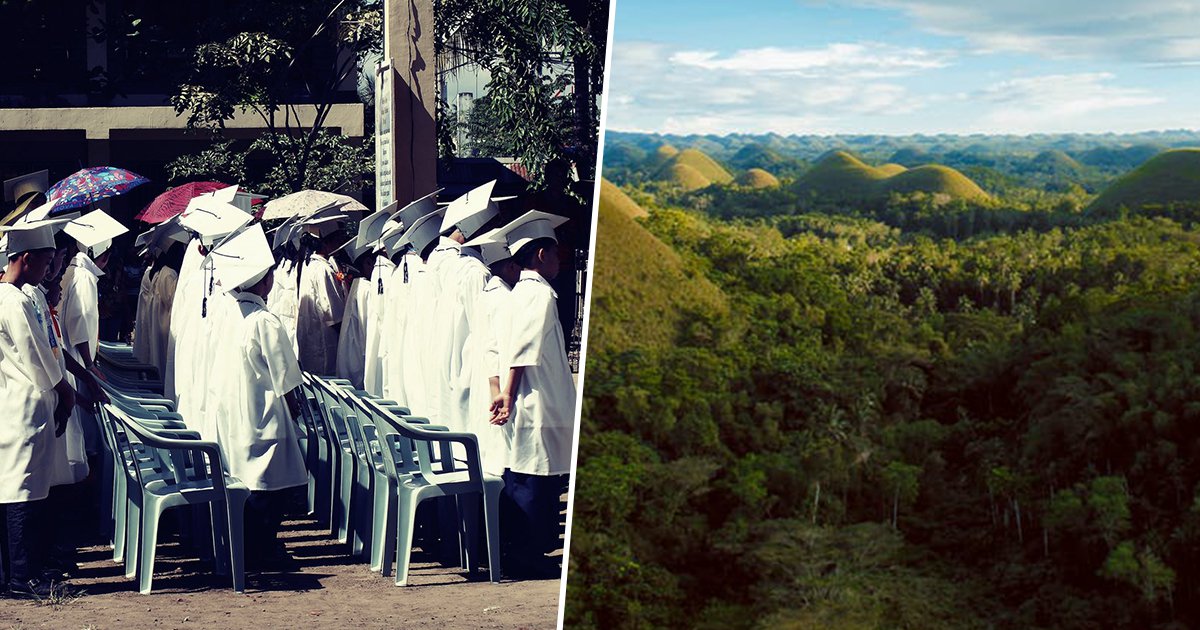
[527, 331]
[278, 359]
[31, 343]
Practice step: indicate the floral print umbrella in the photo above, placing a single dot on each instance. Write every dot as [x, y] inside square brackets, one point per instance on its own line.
[90, 185]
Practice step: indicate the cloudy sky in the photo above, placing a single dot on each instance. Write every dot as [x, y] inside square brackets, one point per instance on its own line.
[901, 66]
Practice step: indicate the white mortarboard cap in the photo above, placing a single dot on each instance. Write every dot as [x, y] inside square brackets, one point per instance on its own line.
[241, 259]
[20, 186]
[212, 218]
[227, 194]
[325, 221]
[283, 232]
[418, 208]
[424, 231]
[27, 236]
[471, 211]
[491, 245]
[529, 227]
[95, 231]
[371, 228]
[390, 239]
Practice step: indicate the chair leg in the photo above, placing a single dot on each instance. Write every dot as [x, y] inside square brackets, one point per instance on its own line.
[406, 515]
[387, 535]
[147, 547]
[468, 506]
[236, 519]
[218, 521]
[491, 517]
[120, 510]
[133, 527]
[378, 523]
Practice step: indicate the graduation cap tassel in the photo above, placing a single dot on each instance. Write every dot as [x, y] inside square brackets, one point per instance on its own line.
[405, 261]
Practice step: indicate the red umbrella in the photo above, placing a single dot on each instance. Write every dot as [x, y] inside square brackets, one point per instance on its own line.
[175, 200]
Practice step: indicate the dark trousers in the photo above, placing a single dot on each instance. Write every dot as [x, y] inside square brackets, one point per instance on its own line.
[265, 510]
[68, 513]
[532, 524]
[20, 547]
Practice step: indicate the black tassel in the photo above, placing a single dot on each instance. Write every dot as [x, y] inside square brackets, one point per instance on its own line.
[381, 285]
[405, 261]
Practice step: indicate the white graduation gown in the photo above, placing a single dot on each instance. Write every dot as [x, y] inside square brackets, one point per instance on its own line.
[491, 317]
[322, 305]
[470, 279]
[28, 373]
[381, 277]
[284, 299]
[79, 310]
[352, 341]
[543, 411]
[185, 305]
[396, 303]
[412, 353]
[163, 291]
[443, 265]
[142, 323]
[257, 435]
[69, 457]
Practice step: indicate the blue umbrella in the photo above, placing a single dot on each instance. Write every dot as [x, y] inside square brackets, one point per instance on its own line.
[90, 185]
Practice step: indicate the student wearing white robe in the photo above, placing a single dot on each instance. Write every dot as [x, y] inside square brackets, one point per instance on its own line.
[184, 308]
[284, 299]
[381, 278]
[322, 306]
[258, 374]
[80, 310]
[352, 341]
[163, 289]
[483, 363]
[441, 267]
[417, 363]
[397, 301]
[35, 405]
[142, 324]
[538, 394]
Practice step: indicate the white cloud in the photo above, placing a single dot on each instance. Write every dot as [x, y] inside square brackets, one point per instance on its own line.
[1149, 31]
[1060, 102]
[762, 89]
[868, 60]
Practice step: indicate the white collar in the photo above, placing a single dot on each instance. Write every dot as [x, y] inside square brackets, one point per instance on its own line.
[246, 296]
[83, 261]
[496, 282]
[529, 274]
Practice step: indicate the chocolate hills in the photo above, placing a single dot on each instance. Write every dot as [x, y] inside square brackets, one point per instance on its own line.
[758, 178]
[840, 176]
[692, 169]
[1169, 177]
[642, 288]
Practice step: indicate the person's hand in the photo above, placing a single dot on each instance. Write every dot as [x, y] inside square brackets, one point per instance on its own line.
[62, 411]
[95, 392]
[501, 409]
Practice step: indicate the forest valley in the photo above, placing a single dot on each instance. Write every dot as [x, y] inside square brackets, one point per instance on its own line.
[908, 414]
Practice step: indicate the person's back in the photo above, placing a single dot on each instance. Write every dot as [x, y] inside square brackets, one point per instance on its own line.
[322, 306]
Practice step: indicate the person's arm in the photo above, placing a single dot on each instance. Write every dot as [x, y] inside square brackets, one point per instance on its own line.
[62, 411]
[90, 379]
[85, 353]
[293, 402]
[502, 405]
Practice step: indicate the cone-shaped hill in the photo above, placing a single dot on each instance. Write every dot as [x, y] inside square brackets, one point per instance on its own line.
[662, 155]
[641, 290]
[614, 198]
[1055, 162]
[1169, 177]
[758, 178]
[840, 176]
[684, 168]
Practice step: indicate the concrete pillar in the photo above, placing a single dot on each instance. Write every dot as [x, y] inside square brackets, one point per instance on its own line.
[408, 42]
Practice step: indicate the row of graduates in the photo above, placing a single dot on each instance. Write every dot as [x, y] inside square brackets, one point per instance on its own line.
[49, 329]
[446, 310]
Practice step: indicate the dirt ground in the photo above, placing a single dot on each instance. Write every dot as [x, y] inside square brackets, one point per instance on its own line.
[327, 590]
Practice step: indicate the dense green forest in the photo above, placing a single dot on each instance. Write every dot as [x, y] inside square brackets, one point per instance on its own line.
[907, 413]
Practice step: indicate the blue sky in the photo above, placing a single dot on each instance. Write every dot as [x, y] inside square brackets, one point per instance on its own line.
[901, 66]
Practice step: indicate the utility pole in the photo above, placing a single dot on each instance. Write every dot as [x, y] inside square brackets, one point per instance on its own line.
[408, 43]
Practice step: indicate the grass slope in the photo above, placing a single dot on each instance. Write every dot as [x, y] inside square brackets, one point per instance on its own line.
[641, 288]
[758, 178]
[1171, 176]
[687, 177]
[613, 197]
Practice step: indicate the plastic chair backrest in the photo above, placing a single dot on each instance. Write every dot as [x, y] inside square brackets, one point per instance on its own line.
[206, 455]
[426, 441]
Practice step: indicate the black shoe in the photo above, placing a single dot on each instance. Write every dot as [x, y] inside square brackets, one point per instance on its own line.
[37, 589]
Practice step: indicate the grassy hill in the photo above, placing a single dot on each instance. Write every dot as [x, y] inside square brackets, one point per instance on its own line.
[684, 167]
[758, 178]
[614, 198]
[1056, 162]
[1171, 176]
[758, 156]
[842, 176]
[641, 288]
[687, 177]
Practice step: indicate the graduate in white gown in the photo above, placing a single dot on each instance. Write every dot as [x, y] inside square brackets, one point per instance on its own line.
[462, 281]
[352, 338]
[141, 322]
[537, 395]
[205, 319]
[163, 289]
[35, 406]
[419, 380]
[482, 355]
[322, 296]
[258, 374]
[284, 299]
[369, 239]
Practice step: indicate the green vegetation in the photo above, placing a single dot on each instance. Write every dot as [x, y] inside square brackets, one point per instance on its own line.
[906, 415]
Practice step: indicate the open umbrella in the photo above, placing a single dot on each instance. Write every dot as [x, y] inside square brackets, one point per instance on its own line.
[306, 202]
[175, 200]
[90, 185]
